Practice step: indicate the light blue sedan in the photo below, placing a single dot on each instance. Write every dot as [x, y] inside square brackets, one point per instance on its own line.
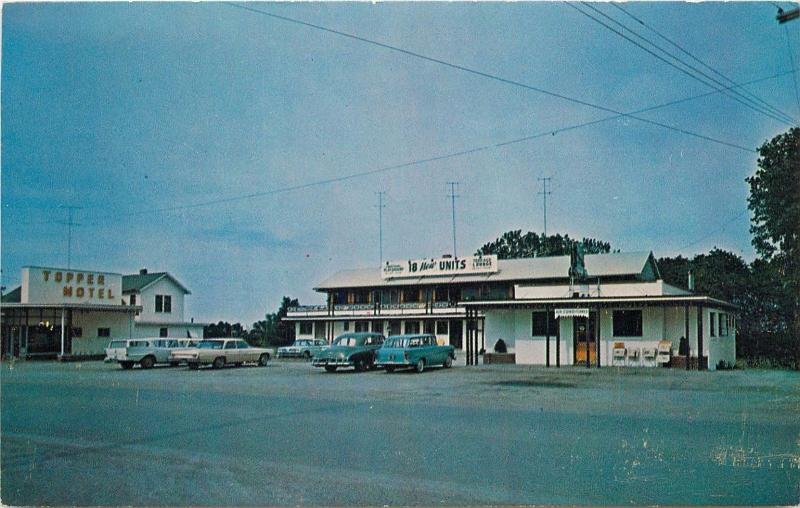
[417, 351]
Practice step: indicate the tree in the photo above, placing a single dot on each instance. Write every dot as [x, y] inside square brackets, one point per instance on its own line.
[513, 244]
[775, 202]
[273, 330]
[223, 329]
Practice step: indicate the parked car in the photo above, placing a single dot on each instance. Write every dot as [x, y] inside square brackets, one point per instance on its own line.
[303, 348]
[355, 350]
[417, 351]
[147, 352]
[220, 352]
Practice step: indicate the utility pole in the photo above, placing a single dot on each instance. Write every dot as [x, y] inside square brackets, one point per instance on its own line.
[545, 182]
[381, 206]
[453, 197]
[69, 225]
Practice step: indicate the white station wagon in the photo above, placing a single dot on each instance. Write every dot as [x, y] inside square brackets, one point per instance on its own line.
[146, 352]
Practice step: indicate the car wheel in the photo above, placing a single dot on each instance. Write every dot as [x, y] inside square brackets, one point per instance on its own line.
[174, 364]
[360, 365]
[306, 355]
[448, 362]
[330, 368]
[420, 365]
[194, 366]
[389, 369]
[147, 362]
[126, 365]
[263, 359]
[218, 363]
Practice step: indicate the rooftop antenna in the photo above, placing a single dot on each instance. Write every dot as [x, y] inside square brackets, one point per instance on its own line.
[453, 196]
[69, 224]
[380, 206]
[544, 192]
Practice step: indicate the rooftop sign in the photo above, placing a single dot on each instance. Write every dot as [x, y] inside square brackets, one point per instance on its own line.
[58, 285]
[433, 267]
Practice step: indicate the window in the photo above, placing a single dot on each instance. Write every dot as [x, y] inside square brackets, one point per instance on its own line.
[306, 327]
[427, 326]
[377, 326]
[540, 325]
[627, 323]
[133, 299]
[347, 326]
[231, 344]
[163, 332]
[104, 332]
[441, 328]
[163, 303]
[394, 327]
[362, 326]
[412, 326]
[242, 344]
[713, 321]
[77, 332]
[723, 325]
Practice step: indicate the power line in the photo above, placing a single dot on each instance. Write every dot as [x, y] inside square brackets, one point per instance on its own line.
[755, 107]
[453, 197]
[701, 62]
[460, 153]
[718, 230]
[483, 74]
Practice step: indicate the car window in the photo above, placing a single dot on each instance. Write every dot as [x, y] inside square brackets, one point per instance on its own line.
[139, 343]
[210, 344]
[320, 343]
[117, 343]
[242, 344]
[230, 345]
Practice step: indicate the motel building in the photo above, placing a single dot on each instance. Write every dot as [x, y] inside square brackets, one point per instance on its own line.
[67, 313]
[593, 310]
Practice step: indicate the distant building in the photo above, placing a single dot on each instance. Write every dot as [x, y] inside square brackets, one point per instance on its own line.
[67, 312]
[547, 310]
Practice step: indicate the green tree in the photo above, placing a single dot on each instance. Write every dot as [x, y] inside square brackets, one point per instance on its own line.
[775, 202]
[513, 244]
[223, 329]
[273, 330]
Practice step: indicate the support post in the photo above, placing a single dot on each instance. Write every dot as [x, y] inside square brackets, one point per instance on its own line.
[686, 334]
[547, 335]
[558, 343]
[597, 337]
[586, 337]
[699, 337]
[469, 338]
[63, 311]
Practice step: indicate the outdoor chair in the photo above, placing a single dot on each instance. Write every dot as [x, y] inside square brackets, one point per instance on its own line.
[619, 353]
[649, 355]
[664, 352]
[633, 356]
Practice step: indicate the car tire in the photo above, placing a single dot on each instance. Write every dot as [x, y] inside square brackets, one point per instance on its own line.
[263, 359]
[218, 362]
[174, 364]
[194, 366]
[389, 369]
[360, 365]
[419, 366]
[330, 368]
[306, 355]
[147, 362]
[126, 365]
[448, 362]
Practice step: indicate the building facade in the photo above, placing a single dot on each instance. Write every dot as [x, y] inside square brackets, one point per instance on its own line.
[558, 310]
[58, 312]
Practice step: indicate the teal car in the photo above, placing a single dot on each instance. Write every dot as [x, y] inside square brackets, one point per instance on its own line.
[355, 350]
[417, 351]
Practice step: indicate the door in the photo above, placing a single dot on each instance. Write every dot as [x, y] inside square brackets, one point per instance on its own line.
[583, 331]
[231, 354]
[455, 332]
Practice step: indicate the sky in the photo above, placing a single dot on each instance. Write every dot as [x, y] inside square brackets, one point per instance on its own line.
[177, 128]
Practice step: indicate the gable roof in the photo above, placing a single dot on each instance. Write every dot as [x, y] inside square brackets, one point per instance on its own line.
[138, 282]
[617, 264]
[13, 296]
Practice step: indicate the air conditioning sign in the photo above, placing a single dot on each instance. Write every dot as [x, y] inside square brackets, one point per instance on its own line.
[433, 267]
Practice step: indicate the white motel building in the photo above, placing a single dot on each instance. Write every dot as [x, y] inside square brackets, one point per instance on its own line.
[58, 312]
[599, 309]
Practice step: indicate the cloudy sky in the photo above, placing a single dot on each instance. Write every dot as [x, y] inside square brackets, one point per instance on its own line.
[177, 129]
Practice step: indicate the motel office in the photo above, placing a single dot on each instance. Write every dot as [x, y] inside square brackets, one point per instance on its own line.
[75, 313]
[548, 310]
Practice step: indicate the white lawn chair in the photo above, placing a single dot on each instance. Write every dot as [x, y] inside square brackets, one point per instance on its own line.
[649, 355]
[619, 353]
[633, 356]
[664, 355]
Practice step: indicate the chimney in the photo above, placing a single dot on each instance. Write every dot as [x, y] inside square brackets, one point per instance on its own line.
[691, 281]
[143, 271]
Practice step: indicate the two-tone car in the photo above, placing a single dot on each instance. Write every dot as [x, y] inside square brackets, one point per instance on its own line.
[355, 350]
[414, 351]
[146, 352]
[221, 352]
[303, 348]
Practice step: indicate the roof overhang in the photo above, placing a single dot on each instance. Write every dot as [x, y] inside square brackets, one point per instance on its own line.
[74, 306]
[644, 301]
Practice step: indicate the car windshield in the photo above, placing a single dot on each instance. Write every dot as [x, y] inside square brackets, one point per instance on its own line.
[210, 344]
[348, 340]
[117, 343]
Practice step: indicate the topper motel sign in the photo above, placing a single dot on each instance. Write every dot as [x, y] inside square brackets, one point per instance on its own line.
[439, 266]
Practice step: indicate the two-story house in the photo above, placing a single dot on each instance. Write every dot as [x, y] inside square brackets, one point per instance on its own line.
[161, 297]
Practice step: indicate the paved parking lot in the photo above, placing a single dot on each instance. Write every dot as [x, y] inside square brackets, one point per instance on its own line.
[289, 434]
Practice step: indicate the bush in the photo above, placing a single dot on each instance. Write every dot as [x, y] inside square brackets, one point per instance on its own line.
[500, 346]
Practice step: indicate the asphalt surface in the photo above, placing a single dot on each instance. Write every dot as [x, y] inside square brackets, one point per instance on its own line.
[288, 434]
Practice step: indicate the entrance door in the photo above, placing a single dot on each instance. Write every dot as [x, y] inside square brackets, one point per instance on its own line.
[456, 332]
[582, 334]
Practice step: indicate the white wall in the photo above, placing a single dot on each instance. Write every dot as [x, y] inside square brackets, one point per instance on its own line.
[174, 330]
[89, 322]
[147, 299]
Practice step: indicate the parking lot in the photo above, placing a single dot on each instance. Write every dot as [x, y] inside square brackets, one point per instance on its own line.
[288, 434]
